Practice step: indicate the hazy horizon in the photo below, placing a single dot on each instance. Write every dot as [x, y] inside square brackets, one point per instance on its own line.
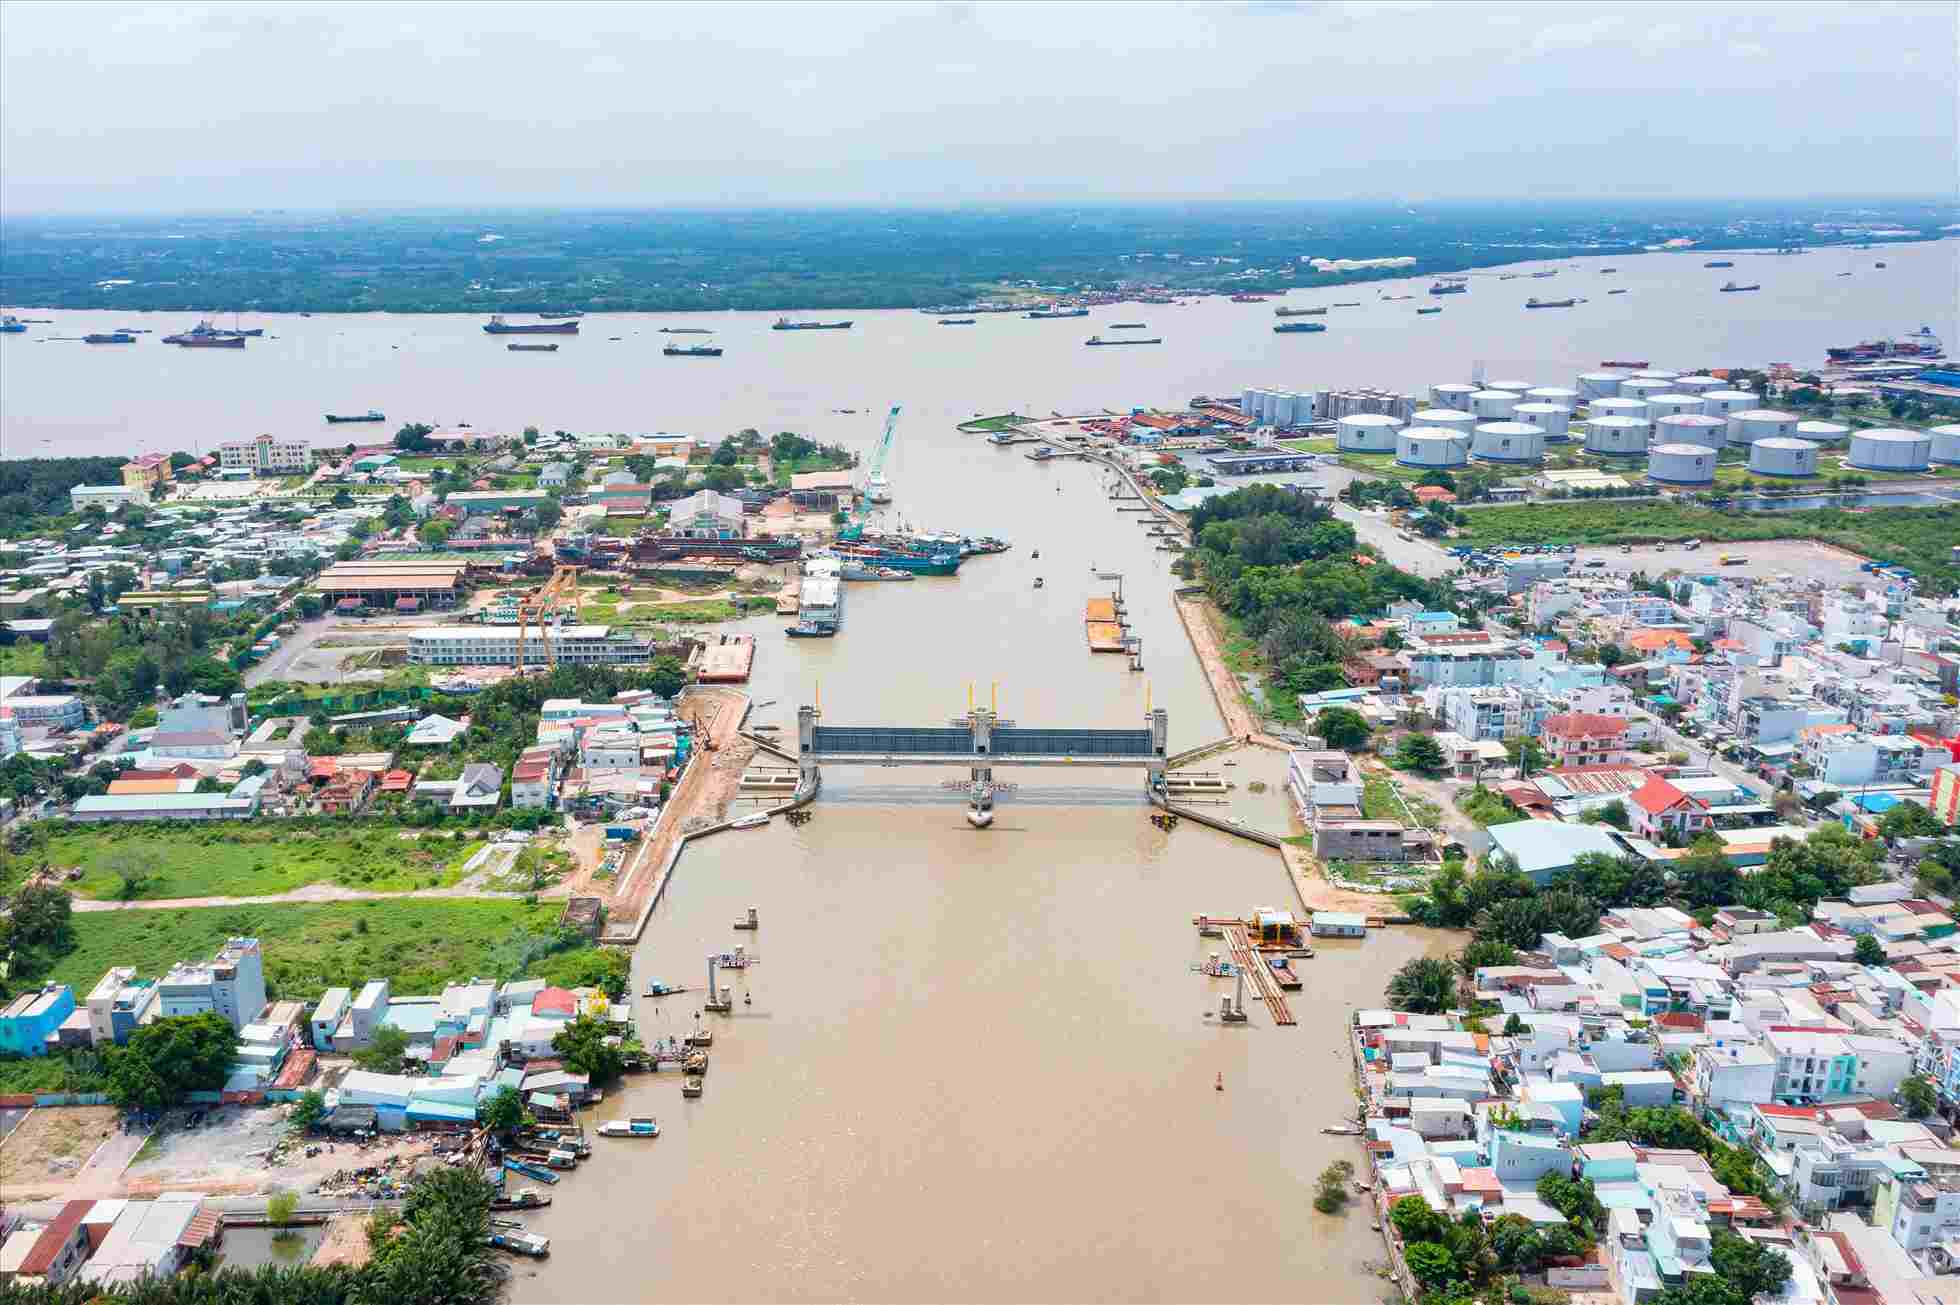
[121, 109]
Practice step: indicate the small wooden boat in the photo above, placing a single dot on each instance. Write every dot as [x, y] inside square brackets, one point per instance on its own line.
[692, 1085]
[659, 989]
[638, 1126]
[755, 820]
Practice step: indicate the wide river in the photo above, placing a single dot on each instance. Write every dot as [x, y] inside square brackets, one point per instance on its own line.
[975, 1066]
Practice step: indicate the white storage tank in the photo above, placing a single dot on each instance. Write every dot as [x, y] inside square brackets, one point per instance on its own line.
[1618, 437]
[1618, 408]
[1761, 424]
[1564, 398]
[1946, 444]
[1493, 405]
[1452, 394]
[1656, 374]
[1432, 446]
[1681, 464]
[1635, 388]
[1691, 428]
[1286, 408]
[1555, 419]
[1887, 449]
[1447, 418]
[1366, 432]
[1258, 406]
[1783, 457]
[1698, 384]
[1508, 441]
[1720, 403]
[1666, 405]
[1515, 387]
[1599, 385]
[1822, 432]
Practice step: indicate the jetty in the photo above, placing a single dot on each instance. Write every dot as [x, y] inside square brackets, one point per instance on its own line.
[1249, 962]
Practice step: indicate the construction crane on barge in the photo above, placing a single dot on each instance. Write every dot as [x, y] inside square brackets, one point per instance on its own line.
[876, 489]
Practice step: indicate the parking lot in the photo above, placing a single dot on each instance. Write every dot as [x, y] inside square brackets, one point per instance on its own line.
[1764, 558]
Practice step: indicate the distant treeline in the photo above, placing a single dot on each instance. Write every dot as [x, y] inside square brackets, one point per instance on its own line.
[38, 487]
[682, 261]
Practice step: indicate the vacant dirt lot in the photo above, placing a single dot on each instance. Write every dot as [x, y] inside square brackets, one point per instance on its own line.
[49, 1148]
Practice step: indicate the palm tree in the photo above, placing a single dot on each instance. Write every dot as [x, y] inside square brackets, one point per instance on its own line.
[1425, 985]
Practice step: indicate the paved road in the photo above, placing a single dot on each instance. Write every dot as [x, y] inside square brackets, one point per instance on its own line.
[1699, 755]
[1417, 556]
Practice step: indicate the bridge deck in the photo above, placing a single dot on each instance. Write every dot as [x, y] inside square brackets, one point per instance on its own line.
[925, 744]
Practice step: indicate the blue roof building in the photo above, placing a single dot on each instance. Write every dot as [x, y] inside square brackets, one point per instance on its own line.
[29, 1020]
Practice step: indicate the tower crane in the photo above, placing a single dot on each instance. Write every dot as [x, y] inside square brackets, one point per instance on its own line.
[875, 486]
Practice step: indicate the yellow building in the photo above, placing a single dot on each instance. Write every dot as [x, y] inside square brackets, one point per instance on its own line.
[146, 471]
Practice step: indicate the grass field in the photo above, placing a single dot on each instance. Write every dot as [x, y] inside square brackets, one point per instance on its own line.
[988, 425]
[24, 658]
[1325, 445]
[418, 945]
[1921, 538]
[709, 609]
[250, 859]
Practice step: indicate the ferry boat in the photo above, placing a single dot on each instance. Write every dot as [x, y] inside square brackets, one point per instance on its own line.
[1058, 312]
[372, 414]
[1449, 288]
[522, 1243]
[1550, 303]
[532, 348]
[109, 337]
[638, 1126]
[498, 326]
[1299, 312]
[1096, 340]
[1295, 328]
[1919, 344]
[942, 562]
[692, 351]
[1732, 288]
[206, 336]
[784, 324]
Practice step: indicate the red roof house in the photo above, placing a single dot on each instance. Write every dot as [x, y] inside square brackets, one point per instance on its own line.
[1657, 806]
[1583, 738]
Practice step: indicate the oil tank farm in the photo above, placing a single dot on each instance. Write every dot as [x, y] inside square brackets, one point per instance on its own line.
[1667, 405]
[1432, 446]
[1554, 419]
[1617, 437]
[1635, 388]
[1698, 384]
[1452, 394]
[1783, 457]
[1558, 394]
[1822, 432]
[1493, 405]
[1888, 449]
[1761, 424]
[1450, 419]
[1681, 464]
[1366, 432]
[1286, 408]
[1946, 445]
[1691, 428]
[1599, 385]
[1723, 403]
[1508, 441]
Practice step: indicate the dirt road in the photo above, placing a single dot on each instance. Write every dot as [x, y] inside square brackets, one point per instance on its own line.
[310, 893]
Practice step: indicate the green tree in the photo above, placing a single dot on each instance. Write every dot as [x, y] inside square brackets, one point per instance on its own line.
[383, 1055]
[584, 1047]
[1343, 728]
[435, 531]
[1919, 1097]
[549, 513]
[1482, 952]
[667, 676]
[168, 1059]
[309, 1110]
[1752, 1269]
[1425, 985]
[502, 1112]
[1527, 754]
[280, 1208]
[1331, 1191]
[1910, 820]
[1431, 1263]
[1420, 753]
[1415, 1222]
[1517, 1244]
[1614, 813]
[1869, 950]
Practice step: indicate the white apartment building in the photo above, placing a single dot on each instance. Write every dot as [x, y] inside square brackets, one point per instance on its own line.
[1480, 713]
[232, 984]
[489, 645]
[266, 456]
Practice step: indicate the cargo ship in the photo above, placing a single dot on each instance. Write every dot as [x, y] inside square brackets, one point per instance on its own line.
[1732, 288]
[1059, 312]
[1248, 299]
[1449, 288]
[958, 321]
[1096, 340]
[1920, 344]
[1129, 326]
[1295, 328]
[1299, 312]
[109, 337]
[1720, 262]
[1550, 303]
[685, 330]
[532, 348]
[692, 351]
[498, 326]
[204, 336]
[784, 324]
[858, 571]
[1424, 312]
[1622, 362]
[942, 562]
[372, 414]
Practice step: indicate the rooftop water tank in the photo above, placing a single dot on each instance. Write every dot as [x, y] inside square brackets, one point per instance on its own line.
[1617, 436]
[1761, 424]
[1681, 464]
[1886, 449]
[1720, 403]
[1432, 446]
[1452, 394]
[1821, 432]
[1946, 444]
[1691, 428]
[1366, 432]
[1493, 405]
[1666, 405]
[1599, 385]
[1508, 441]
[1783, 457]
[1554, 418]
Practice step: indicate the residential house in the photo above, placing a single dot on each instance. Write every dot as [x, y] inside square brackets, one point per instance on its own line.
[29, 1022]
[1585, 739]
[1660, 810]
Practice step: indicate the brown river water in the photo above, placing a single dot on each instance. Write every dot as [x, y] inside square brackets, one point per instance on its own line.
[976, 1065]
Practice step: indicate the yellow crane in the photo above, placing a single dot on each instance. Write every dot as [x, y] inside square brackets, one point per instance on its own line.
[542, 608]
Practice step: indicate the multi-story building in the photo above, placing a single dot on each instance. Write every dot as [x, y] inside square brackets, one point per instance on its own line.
[534, 779]
[479, 645]
[1585, 739]
[30, 1020]
[1945, 801]
[1843, 756]
[147, 472]
[47, 710]
[1463, 661]
[106, 497]
[231, 984]
[266, 456]
[1481, 713]
[117, 1005]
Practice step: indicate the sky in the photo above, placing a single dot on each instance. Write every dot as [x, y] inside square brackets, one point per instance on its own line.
[132, 108]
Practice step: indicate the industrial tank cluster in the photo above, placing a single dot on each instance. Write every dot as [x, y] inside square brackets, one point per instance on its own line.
[1287, 408]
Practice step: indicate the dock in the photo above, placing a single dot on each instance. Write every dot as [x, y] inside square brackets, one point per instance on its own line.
[1251, 963]
[726, 662]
